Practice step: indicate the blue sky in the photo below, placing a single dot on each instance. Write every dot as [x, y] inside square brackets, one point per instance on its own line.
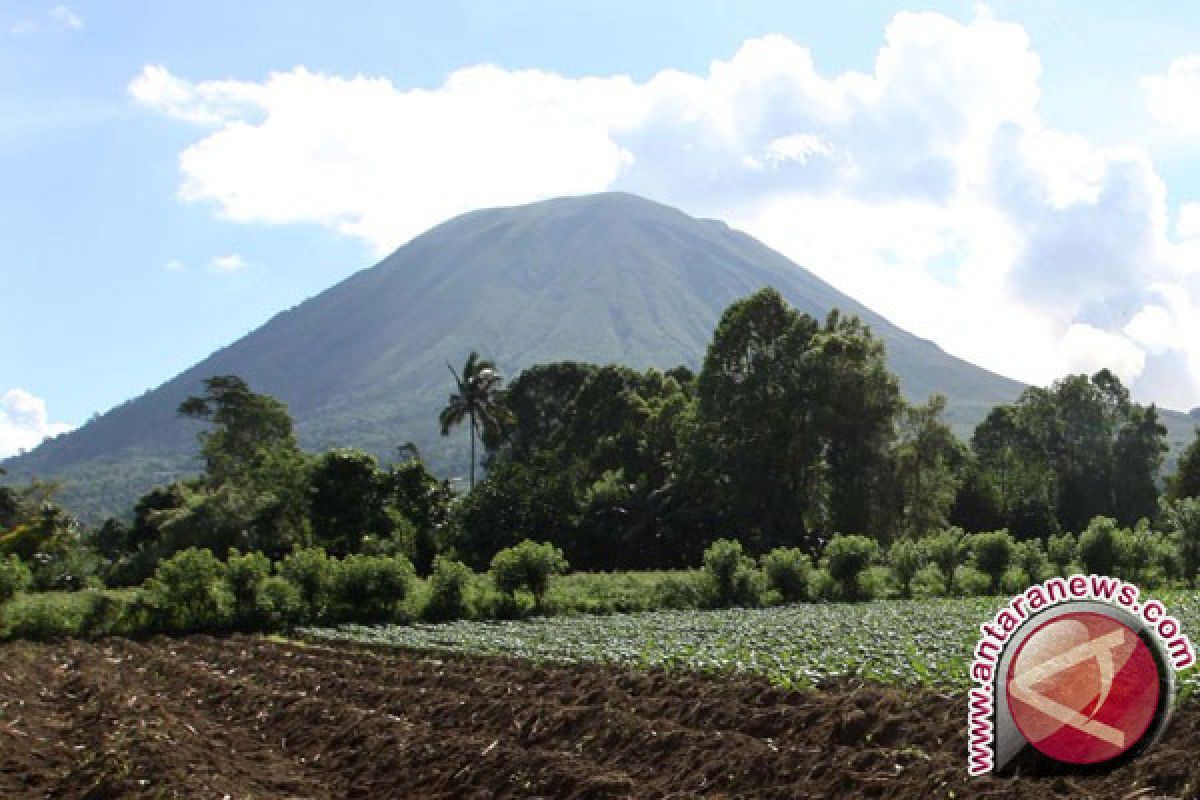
[1012, 181]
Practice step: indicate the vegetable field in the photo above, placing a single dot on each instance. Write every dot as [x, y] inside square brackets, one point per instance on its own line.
[895, 642]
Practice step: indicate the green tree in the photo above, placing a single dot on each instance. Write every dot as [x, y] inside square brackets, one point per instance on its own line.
[513, 502]
[929, 462]
[246, 427]
[789, 431]
[1185, 482]
[347, 500]
[476, 399]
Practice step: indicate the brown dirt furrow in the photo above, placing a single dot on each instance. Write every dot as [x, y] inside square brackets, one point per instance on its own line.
[251, 718]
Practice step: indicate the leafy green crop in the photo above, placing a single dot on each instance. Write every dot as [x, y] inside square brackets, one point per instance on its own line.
[927, 642]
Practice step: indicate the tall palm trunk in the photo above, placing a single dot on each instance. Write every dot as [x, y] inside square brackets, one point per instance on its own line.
[472, 450]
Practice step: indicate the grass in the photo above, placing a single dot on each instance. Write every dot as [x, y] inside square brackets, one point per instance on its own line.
[52, 615]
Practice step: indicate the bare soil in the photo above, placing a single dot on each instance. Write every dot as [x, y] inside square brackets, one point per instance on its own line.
[245, 717]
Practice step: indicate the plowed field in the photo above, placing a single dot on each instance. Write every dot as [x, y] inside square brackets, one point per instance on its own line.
[245, 717]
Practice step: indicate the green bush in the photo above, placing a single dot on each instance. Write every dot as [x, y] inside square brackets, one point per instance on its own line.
[14, 577]
[946, 551]
[1030, 558]
[1015, 580]
[41, 618]
[281, 605]
[528, 566]
[929, 582]
[732, 578]
[1061, 550]
[372, 588]
[1183, 520]
[681, 591]
[188, 589]
[787, 570]
[312, 572]
[244, 579]
[970, 582]
[1104, 546]
[906, 558]
[994, 553]
[448, 587]
[847, 558]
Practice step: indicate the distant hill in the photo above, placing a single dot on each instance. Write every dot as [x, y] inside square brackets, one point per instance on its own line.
[601, 278]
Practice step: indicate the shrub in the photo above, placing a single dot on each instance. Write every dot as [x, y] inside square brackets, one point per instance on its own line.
[1061, 549]
[40, 617]
[994, 553]
[787, 570]
[1014, 580]
[14, 577]
[946, 551]
[730, 574]
[906, 559]
[528, 566]
[188, 589]
[1103, 547]
[1183, 520]
[312, 573]
[281, 605]
[968, 581]
[448, 585]
[1152, 557]
[682, 591]
[847, 558]
[371, 588]
[244, 578]
[929, 582]
[1030, 557]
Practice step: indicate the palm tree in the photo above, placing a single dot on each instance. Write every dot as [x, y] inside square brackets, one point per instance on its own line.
[477, 399]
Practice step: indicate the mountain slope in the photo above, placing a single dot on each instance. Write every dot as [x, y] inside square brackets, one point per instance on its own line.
[610, 277]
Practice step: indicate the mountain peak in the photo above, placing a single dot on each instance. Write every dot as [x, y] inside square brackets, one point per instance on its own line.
[610, 277]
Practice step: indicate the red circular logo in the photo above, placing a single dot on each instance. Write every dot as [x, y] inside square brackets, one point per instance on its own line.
[1083, 688]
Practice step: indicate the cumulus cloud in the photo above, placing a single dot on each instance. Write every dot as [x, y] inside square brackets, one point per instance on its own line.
[227, 263]
[1174, 97]
[24, 422]
[928, 186]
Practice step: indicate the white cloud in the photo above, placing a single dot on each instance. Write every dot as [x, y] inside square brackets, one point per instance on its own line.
[24, 422]
[928, 187]
[24, 27]
[227, 263]
[1088, 349]
[175, 265]
[1187, 224]
[1174, 97]
[67, 17]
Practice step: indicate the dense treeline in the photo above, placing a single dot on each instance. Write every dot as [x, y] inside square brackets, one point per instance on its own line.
[792, 441]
